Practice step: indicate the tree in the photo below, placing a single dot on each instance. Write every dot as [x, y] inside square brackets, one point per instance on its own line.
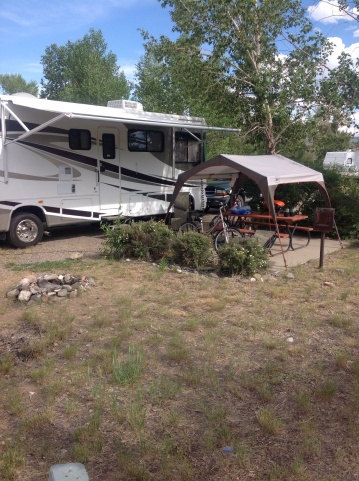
[229, 52]
[83, 71]
[350, 8]
[13, 83]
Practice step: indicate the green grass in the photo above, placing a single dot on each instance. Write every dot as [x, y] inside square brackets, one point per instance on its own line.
[127, 371]
[68, 264]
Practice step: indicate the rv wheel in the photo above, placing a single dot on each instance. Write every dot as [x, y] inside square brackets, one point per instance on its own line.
[25, 230]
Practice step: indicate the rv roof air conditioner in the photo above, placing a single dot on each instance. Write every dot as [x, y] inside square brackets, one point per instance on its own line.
[125, 104]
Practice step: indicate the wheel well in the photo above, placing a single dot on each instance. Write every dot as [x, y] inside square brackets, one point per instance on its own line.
[30, 210]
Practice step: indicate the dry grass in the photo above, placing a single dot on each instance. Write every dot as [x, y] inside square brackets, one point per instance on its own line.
[151, 374]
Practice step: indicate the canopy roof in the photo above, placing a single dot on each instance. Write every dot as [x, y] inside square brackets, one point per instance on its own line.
[267, 171]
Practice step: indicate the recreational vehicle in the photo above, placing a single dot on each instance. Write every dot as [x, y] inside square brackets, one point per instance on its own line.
[64, 163]
[348, 161]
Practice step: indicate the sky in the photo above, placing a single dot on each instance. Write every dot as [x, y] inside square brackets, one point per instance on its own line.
[27, 27]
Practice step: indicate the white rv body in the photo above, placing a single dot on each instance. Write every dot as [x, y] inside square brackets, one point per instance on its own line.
[347, 161]
[66, 163]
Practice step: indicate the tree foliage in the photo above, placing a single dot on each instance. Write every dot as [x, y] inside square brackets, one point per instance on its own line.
[83, 71]
[256, 65]
[13, 83]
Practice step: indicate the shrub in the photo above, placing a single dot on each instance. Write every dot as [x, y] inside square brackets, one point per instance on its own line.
[192, 249]
[149, 240]
[247, 258]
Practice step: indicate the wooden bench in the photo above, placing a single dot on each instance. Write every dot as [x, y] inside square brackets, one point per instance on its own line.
[247, 231]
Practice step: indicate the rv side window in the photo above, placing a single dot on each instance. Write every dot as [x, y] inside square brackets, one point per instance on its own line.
[145, 141]
[187, 148]
[108, 146]
[349, 161]
[79, 139]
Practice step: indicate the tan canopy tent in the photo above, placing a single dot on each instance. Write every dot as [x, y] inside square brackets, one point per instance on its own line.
[267, 171]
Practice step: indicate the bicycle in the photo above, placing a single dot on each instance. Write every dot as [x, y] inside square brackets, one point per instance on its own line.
[218, 228]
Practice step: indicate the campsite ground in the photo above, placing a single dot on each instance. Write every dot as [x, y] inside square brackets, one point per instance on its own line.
[156, 374]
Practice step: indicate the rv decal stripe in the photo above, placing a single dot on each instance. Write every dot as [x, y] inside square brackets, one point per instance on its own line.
[83, 159]
[53, 210]
[79, 213]
[8, 202]
[14, 126]
[82, 213]
[149, 178]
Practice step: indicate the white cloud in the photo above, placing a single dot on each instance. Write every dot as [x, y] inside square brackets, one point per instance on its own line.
[338, 48]
[328, 11]
[356, 33]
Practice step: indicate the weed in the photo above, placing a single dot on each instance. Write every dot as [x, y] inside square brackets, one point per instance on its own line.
[311, 445]
[100, 320]
[70, 352]
[190, 325]
[6, 363]
[327, 390]
[37, 421]
[39, 375]
[11, 458]
[137, 420]
[340, 321]
[14, 402]
[163, 389]
[177, 350]
[88, 436]
[81, 453]
[303, 401]
[269, 421]
[128, 371]
[31, 317]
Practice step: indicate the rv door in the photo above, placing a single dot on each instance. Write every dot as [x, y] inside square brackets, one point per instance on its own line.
[109, 169]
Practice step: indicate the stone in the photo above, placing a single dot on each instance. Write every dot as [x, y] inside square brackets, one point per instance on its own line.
[51, 277]
[328, 284]
[290, 275]
[24, 296]
[43, 283]
[23, 284]
[49, 285]
[13, 294]
[76, 255]
[62, 293]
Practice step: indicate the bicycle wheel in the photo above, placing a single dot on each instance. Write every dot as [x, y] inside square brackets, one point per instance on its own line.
[188, 227]
[233, 237]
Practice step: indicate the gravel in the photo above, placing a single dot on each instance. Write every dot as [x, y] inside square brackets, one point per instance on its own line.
[57, 245]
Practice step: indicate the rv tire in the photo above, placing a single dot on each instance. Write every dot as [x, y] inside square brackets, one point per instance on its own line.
[25, 230]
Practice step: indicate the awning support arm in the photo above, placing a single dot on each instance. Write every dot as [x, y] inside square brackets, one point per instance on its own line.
[36, 129]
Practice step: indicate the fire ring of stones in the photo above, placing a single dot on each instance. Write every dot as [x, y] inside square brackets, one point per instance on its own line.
[34, 289]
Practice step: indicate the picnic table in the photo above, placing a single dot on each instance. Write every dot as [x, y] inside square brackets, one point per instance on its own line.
[281, 227]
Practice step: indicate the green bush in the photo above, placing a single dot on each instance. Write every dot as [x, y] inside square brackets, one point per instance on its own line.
[247, 258]
[191, 249]
[150, 240]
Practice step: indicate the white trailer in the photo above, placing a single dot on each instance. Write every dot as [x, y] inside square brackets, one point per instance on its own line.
[348, 161]
[64, 163]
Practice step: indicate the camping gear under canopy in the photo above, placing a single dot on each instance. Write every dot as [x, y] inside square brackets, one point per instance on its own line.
[267, 171]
